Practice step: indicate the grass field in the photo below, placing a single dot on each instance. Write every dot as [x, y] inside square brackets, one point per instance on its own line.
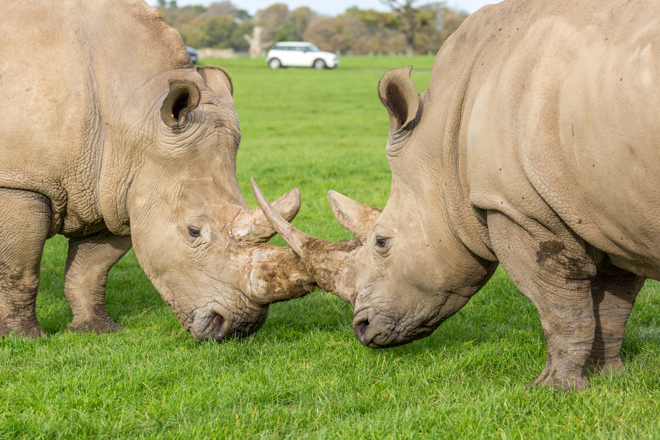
[304, 375]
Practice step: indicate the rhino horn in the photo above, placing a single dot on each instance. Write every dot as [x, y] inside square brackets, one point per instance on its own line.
[329, 263]
[357, 218]
[276, 273]
[252, 226]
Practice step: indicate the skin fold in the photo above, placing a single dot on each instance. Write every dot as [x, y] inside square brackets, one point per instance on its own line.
[534, 147]
[114, 140]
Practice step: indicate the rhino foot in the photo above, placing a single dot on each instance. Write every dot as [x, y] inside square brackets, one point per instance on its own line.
[98, 326]
[555, 380]
[605, 365]
[26, 330]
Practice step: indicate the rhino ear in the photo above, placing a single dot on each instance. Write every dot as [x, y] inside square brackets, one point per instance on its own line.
[182, 99]
[398, 94]
[217, 79]
[357, 218]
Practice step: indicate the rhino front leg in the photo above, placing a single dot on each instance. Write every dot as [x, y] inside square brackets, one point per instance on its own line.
[87, 266]
[555, 274]
[614, 292]
[25, 222]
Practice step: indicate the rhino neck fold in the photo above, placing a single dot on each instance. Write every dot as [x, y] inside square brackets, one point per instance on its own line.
[460, 215]
[114, 181]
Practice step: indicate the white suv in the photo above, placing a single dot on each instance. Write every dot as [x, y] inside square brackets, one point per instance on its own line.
[300, 54]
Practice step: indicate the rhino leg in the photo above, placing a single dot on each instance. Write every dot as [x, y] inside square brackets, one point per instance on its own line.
[89, 261]
[554, 271]
[25, 222]
[614, 292]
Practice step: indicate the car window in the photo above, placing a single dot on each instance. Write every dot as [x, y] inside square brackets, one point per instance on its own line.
[310, 48]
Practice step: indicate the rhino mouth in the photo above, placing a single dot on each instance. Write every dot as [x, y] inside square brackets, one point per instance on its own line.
[217, 329]
[220, 327]
[377, 330]
[373, 330]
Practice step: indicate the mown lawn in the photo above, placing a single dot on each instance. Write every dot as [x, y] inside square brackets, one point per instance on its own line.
[304, 375]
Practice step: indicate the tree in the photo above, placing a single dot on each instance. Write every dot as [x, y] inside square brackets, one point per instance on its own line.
[270, 20]
[222, 8]
[294, 25]
[448, 20]
[410, 20]
[329, 34]
[257, 44]
[242, 15]
[238, 41]
[218, 31]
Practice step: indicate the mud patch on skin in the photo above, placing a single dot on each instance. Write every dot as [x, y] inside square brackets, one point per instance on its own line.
[554, 253]
[327, 261]
[277, 274]
[281, 285]
[549, 249]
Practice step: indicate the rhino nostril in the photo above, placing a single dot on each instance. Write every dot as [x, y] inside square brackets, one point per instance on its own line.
[217, 331]
[360, 328]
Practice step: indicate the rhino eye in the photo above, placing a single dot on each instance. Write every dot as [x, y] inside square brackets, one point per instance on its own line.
[381, 242]
[194, 232]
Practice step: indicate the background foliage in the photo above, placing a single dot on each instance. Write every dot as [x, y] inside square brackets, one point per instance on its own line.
[355, 32]
[304, 375]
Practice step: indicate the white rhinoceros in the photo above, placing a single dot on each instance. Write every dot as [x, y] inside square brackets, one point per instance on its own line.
[109, 137]
[536, 145]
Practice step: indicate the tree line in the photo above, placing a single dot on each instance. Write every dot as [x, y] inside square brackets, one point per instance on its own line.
[407, 28]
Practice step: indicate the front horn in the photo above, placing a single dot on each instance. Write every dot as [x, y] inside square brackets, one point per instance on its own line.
[329, 263]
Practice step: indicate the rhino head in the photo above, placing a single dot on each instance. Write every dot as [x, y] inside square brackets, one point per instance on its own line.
[193, 233]
[407, 270]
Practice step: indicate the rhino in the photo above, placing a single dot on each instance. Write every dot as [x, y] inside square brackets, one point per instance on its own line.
[535, 147]
[113, 139]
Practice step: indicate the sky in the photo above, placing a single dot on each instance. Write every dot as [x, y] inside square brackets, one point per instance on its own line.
[327, 7]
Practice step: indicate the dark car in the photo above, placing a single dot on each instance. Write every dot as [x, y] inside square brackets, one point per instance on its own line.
[193, 54]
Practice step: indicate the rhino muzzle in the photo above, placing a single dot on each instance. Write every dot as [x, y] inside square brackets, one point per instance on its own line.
[380, 331]
[219, 329]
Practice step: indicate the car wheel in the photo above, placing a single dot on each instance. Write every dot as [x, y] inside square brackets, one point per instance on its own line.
[274, 63]
[319, 64]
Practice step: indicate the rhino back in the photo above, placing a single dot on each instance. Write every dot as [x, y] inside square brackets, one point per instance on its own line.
[550, 111]
[81, 80]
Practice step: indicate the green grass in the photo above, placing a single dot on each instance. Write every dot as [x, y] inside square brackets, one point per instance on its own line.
[304, 375]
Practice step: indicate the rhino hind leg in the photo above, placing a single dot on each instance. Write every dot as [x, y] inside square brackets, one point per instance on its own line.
[25, 222]
[614, 292]
[554, 271]
[88, 264]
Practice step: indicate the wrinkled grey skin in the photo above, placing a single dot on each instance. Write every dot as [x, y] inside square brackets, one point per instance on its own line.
[535, 146]
[113, 139]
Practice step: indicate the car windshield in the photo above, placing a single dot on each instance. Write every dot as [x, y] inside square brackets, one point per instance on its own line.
[313, 48]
